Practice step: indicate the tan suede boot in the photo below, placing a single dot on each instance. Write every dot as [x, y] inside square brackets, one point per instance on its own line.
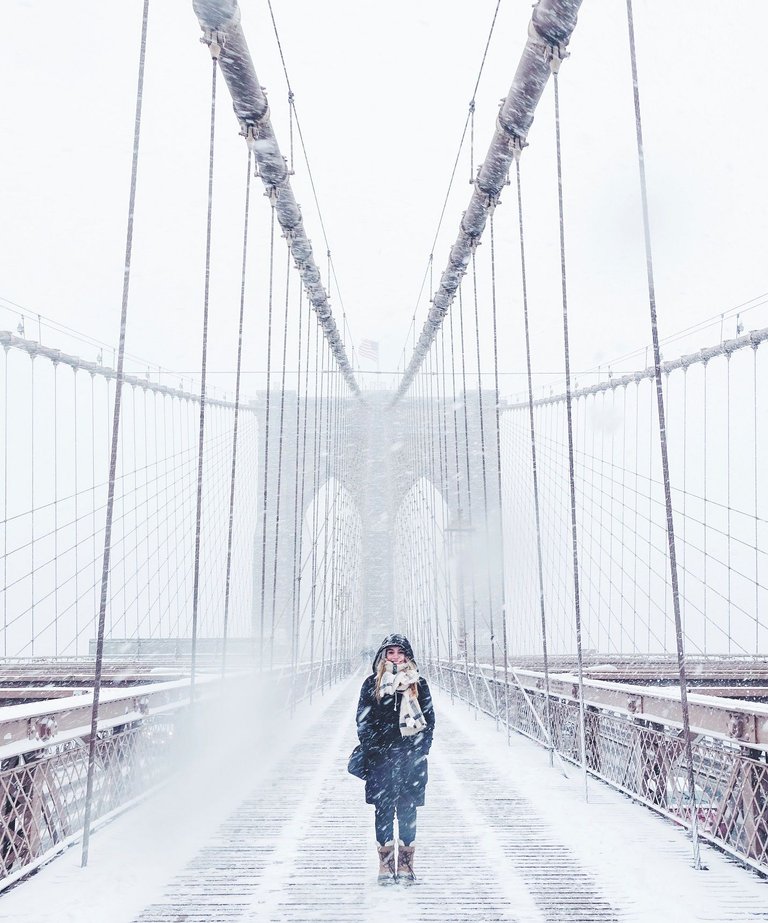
[405, 873]
[387, 869]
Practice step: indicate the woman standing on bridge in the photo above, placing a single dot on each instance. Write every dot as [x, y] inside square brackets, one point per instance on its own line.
[395, 723]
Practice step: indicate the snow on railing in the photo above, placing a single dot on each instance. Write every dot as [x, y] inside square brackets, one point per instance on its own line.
[634, 743]
[142, 730]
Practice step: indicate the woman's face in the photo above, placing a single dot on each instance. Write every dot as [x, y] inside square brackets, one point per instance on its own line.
[395, 655]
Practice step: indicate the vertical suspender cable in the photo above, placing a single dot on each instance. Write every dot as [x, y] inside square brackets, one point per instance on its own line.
[498, 472]
[113, 452]
[75, 417]
[300, 552]
[236, 415]
[326, 500]
[756, 480]
[295, 579]
[56, 510]
[534, 465]
[484, 472]
[444, 490]
[555, 63]
[266, 434]
[462, 642]
[215, 49]
[664, 451]
[281, 432]
[5, 503]
[32, 500]
[470, 522]
[317, 439]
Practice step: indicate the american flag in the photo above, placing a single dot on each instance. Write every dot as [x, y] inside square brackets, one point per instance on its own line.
[369, 349]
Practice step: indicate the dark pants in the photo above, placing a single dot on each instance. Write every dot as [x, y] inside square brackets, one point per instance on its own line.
[385, 820]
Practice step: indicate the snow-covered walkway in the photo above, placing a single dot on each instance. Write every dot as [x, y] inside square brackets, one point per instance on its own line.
[502, 837]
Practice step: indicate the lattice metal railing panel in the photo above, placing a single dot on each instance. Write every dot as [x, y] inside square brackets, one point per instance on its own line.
[642, 758]
[42, 792]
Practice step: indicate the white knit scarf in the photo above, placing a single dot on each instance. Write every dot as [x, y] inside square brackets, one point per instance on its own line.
[405, 680]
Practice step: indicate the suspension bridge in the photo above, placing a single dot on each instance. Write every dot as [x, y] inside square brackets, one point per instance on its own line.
[194, 580]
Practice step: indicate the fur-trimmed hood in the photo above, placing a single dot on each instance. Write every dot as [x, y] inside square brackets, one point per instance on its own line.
[394, 640]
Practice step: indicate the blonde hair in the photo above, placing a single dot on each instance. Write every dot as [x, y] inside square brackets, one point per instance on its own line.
[381, 669]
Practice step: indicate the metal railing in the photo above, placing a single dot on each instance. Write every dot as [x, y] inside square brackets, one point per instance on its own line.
[634, 742]
[142, 730]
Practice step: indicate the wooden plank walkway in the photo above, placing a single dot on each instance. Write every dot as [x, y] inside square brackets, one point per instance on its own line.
[502, 838]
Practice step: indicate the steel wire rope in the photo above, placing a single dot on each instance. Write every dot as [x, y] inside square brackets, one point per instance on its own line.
[441, 397]
[470, 519]
[430, 429]
[32, 498]
[663, 446]
[68, 524]
[470, 116]
[555, 61]
[330, 526]
[728, 488]
[293, 114]
[658, 574]
[230, 527]
[484, 476]
[442, 582]
[317, 439]
[655, 482]
[113, 452]
[5, 502]
[756, 432]
[295, 583]
[303, 483]
[684, 535]
[423, 523]
[75, 467]
[56, 509]
[139, 585]
[457, 475]
[534, 461]
[330, 673]
[326, 491]
[214, 49]
[336, 533]
[267, 402]
[497, 417]
[279, 486]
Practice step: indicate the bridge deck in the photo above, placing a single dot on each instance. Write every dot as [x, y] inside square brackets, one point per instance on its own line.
[502, 837]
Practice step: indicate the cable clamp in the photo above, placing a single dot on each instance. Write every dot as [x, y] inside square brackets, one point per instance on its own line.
[215, 41]
[555, 54]
[517, 146]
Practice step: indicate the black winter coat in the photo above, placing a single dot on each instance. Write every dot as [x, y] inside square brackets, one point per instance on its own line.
[396, 766]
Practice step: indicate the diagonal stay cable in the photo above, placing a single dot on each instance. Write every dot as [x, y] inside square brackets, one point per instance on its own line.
[663, 446]
[215, 48]
[230, 528]
[113, 453]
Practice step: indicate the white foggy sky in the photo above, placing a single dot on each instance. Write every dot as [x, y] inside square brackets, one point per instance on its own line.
[382, 93]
